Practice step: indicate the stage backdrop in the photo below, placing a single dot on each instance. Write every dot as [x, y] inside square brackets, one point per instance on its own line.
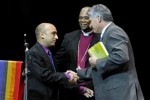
[10, 74]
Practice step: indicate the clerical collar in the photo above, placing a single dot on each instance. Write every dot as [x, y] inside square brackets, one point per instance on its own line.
[86, 33]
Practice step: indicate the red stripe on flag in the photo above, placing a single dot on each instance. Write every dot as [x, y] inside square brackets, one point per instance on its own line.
[17, 79]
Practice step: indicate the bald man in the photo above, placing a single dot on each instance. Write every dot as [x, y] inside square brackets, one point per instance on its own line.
[44, 80]
[73, 55]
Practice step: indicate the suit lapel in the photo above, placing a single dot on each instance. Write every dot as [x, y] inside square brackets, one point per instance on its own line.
[75, 44]
[45, 56]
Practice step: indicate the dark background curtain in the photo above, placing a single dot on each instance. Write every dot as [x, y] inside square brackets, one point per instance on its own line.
[20, 17]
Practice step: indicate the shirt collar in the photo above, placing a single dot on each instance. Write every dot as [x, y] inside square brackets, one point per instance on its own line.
[104, 29]
[45, 48]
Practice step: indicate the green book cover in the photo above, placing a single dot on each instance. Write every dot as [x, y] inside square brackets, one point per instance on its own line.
[98, 50]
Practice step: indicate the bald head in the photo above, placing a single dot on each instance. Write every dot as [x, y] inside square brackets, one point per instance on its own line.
[46, 34]
[41, 28]
[85, 10]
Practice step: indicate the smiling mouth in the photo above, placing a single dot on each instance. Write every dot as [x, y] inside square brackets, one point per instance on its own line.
[83, 25]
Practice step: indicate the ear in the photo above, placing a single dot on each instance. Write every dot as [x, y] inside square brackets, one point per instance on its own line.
[42, 35]
[99, 18]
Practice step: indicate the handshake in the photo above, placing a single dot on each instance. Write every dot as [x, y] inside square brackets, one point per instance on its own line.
[73, 77]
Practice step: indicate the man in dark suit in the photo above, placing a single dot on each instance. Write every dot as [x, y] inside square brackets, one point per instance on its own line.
[73, 53]
[114, 77]
[44, 81]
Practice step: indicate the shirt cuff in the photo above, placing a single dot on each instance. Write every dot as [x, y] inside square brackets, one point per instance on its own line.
[82, 84]
[67, 75]
[81, 89]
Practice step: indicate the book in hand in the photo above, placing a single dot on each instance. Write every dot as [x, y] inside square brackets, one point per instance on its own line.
[98, 50]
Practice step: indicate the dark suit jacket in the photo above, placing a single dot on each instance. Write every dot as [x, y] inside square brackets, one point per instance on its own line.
[66, 57]
[43, 81]
[115, 76]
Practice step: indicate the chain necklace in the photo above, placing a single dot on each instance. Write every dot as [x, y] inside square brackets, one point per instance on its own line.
[83, 57]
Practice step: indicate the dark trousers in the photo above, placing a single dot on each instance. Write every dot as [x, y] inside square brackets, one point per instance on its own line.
[35, 95]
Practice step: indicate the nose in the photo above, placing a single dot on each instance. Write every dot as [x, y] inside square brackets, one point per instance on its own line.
[56, 36]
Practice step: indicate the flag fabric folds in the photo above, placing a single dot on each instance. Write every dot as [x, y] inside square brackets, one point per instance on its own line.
[10, 74]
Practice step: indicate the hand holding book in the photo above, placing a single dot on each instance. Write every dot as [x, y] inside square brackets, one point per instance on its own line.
[98, 50]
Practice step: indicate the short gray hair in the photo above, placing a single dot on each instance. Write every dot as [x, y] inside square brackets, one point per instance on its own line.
[101, 10]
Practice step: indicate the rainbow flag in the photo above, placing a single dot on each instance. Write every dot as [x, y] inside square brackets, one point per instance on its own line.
[10, 72]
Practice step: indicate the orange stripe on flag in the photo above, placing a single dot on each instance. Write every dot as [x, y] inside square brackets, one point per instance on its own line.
[17, 79]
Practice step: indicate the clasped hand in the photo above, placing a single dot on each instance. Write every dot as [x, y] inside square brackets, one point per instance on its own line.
[73, 76]
[88, 92]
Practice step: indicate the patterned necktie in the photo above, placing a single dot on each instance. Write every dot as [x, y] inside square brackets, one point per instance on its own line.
[51, 59]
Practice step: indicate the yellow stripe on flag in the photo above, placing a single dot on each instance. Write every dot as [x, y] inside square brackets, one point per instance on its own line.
[10, 81]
